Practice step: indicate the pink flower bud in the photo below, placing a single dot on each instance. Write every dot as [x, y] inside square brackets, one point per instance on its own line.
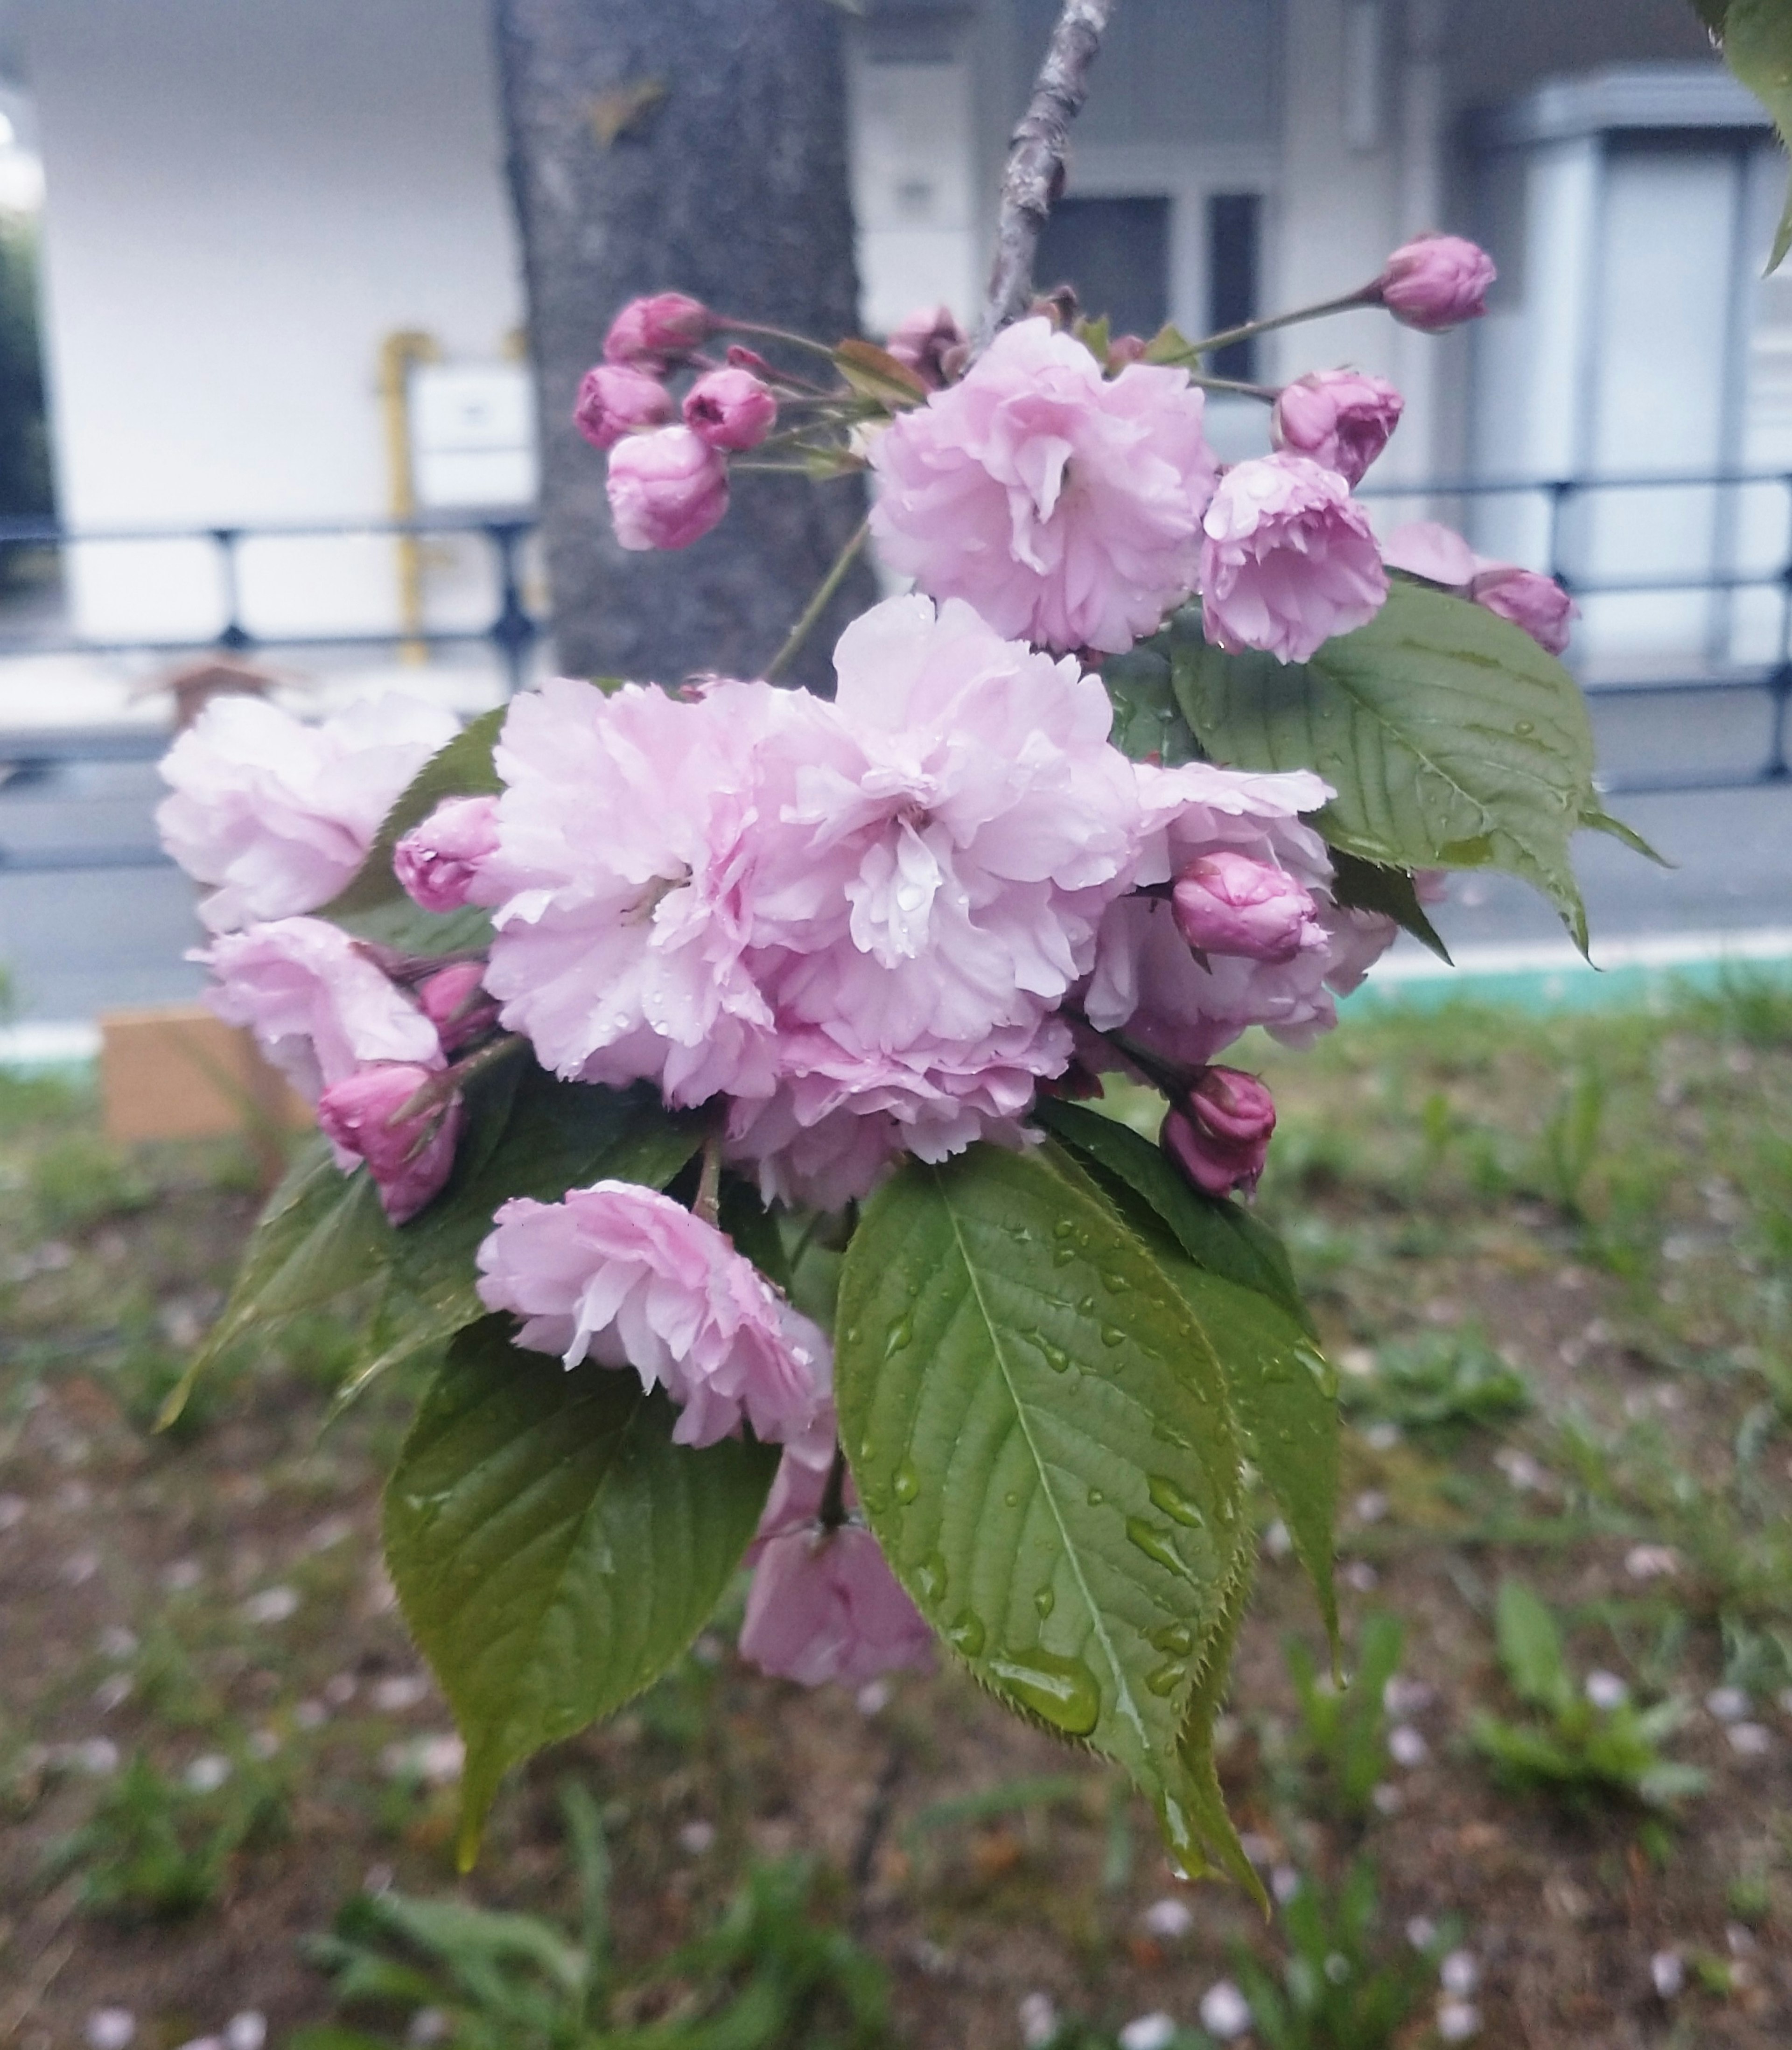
[1436, 282]
[730, 409]
[922, 341]
[1536, 603]
[1218, 1135]
[741, 357]
[667, 488]
[615, 400]
[1229, 903]
[455, 1003]
[1339, 418]
[654, 334]
[1123, 351]
[408, 1158]
[436, 863]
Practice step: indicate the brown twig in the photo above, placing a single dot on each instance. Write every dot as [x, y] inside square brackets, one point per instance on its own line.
[1035, 171]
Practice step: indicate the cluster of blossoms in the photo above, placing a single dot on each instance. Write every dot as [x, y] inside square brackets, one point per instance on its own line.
[852, 930]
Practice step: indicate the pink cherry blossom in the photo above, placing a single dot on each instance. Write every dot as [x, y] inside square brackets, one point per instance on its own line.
[1290, 559]
[1148, 984]
[667, 488]
[631, 830]
[409, 1158]
[1341, 418]
[1218, 1132]
[654, 334]
[1230, 903]
[731, 409]
[615, 400]
[922, 342]
[824, 1604]
[1426, 548]
[1065, 507]
[1436, 282]
[624, 1275]
[319, 1007]
[454, 1001]
[277, 814]
[436, 864]
[1528, 598]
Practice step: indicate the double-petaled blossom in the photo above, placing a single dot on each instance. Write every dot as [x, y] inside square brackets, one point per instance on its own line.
[1064, 506]
[410, 1157]
[320, 1008]
[625, 1277]
[655, 333]
[1436, 281]
[436, 863]
[1150, 985]
[1341, 418]
[1289, 558]
[667, 488]
[1536, 603]
[278, 815]
[731, 409]
[824, 1604]
[615, 400]
[1217, 1132]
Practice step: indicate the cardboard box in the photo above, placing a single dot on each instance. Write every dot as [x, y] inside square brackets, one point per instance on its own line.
[175, 1072]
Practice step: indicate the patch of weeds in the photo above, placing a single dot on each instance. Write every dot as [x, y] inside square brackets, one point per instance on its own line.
[79, 1181]
[1747, 1005]
[1339, 1988]
[156, 1848]
[1590, 1741]
[1442, 1382]
[771, 1972]
[1344, 1731]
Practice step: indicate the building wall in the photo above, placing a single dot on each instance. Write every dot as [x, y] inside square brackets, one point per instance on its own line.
[243, 200]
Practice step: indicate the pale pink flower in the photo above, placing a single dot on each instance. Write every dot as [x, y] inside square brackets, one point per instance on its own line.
[1148, 984]
[667, 488]
[615, 400]
[1341, 418]
[278, 814]
[409, 1158]
[455, 1003]
[436, 863]
[1528, 598]
[631, 833]
[1231, 903]
[731, 409]
[824, 1604]
[922, 342]
[1290, 559]
[319, 1007]
[1217, 1132]
[1064, 506]
[654, 334]
[1436, 282]
[624, 1275]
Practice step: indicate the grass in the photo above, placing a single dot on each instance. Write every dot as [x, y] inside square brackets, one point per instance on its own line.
[1554, 1256]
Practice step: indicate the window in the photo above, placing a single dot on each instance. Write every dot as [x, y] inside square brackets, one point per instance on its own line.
[1234, 228]
[1116, 253]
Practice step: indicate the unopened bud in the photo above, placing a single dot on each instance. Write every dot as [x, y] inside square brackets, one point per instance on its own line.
[409, 1158]
[1339, 418]
[731, 409]
[436, 864]
[654, 334]
[615, 400]
[454, 1001]
[667, 488]
[1218, 1134]
[1436, 281]
[1230, 903]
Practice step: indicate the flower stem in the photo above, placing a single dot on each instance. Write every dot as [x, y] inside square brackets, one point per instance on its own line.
[819, 604]
[450, 1081]
[776, 334]
[1208, 344]
[832, 1513]
[708, 1203]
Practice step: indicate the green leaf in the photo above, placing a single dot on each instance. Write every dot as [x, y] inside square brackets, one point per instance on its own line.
[1221, 1236]
[553, 1550]
[1203, 1825]
[1530, 1648]
[462, 768]
[322, 1233]
[1453, 741]
[1366, 885]
[874, 373]
[1148, 724]
[1043, 1445]
[551, 1135]
[1756, 37]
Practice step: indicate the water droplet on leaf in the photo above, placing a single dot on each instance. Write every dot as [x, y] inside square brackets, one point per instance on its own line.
[1175, 1638]
[906, 1484]
[1045, 1601]
[930, 1577]
[966, 1633]
[1154, 1543]
[1175, 1501]
[902, 1333]
[1162, 1680]
[1060, 1691]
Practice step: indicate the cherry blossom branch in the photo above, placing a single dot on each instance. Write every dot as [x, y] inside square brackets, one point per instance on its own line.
[1245, 332]
[1035, 173]
[819, 603]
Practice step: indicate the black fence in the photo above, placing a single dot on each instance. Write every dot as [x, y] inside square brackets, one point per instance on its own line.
[1561, 523]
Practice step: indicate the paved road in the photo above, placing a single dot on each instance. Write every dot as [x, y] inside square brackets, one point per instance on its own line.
[77, 943]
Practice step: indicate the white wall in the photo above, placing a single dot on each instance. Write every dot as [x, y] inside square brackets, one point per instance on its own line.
[245, 196]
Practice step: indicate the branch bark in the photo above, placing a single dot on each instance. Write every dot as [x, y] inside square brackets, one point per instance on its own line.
[1035, 173]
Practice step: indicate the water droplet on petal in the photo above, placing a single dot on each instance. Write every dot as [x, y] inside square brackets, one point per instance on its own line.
[1060, 1691]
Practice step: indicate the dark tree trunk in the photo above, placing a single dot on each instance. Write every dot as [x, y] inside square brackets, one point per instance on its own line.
[696, 145]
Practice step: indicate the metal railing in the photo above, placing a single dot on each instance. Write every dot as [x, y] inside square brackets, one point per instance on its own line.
[1564, 541]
